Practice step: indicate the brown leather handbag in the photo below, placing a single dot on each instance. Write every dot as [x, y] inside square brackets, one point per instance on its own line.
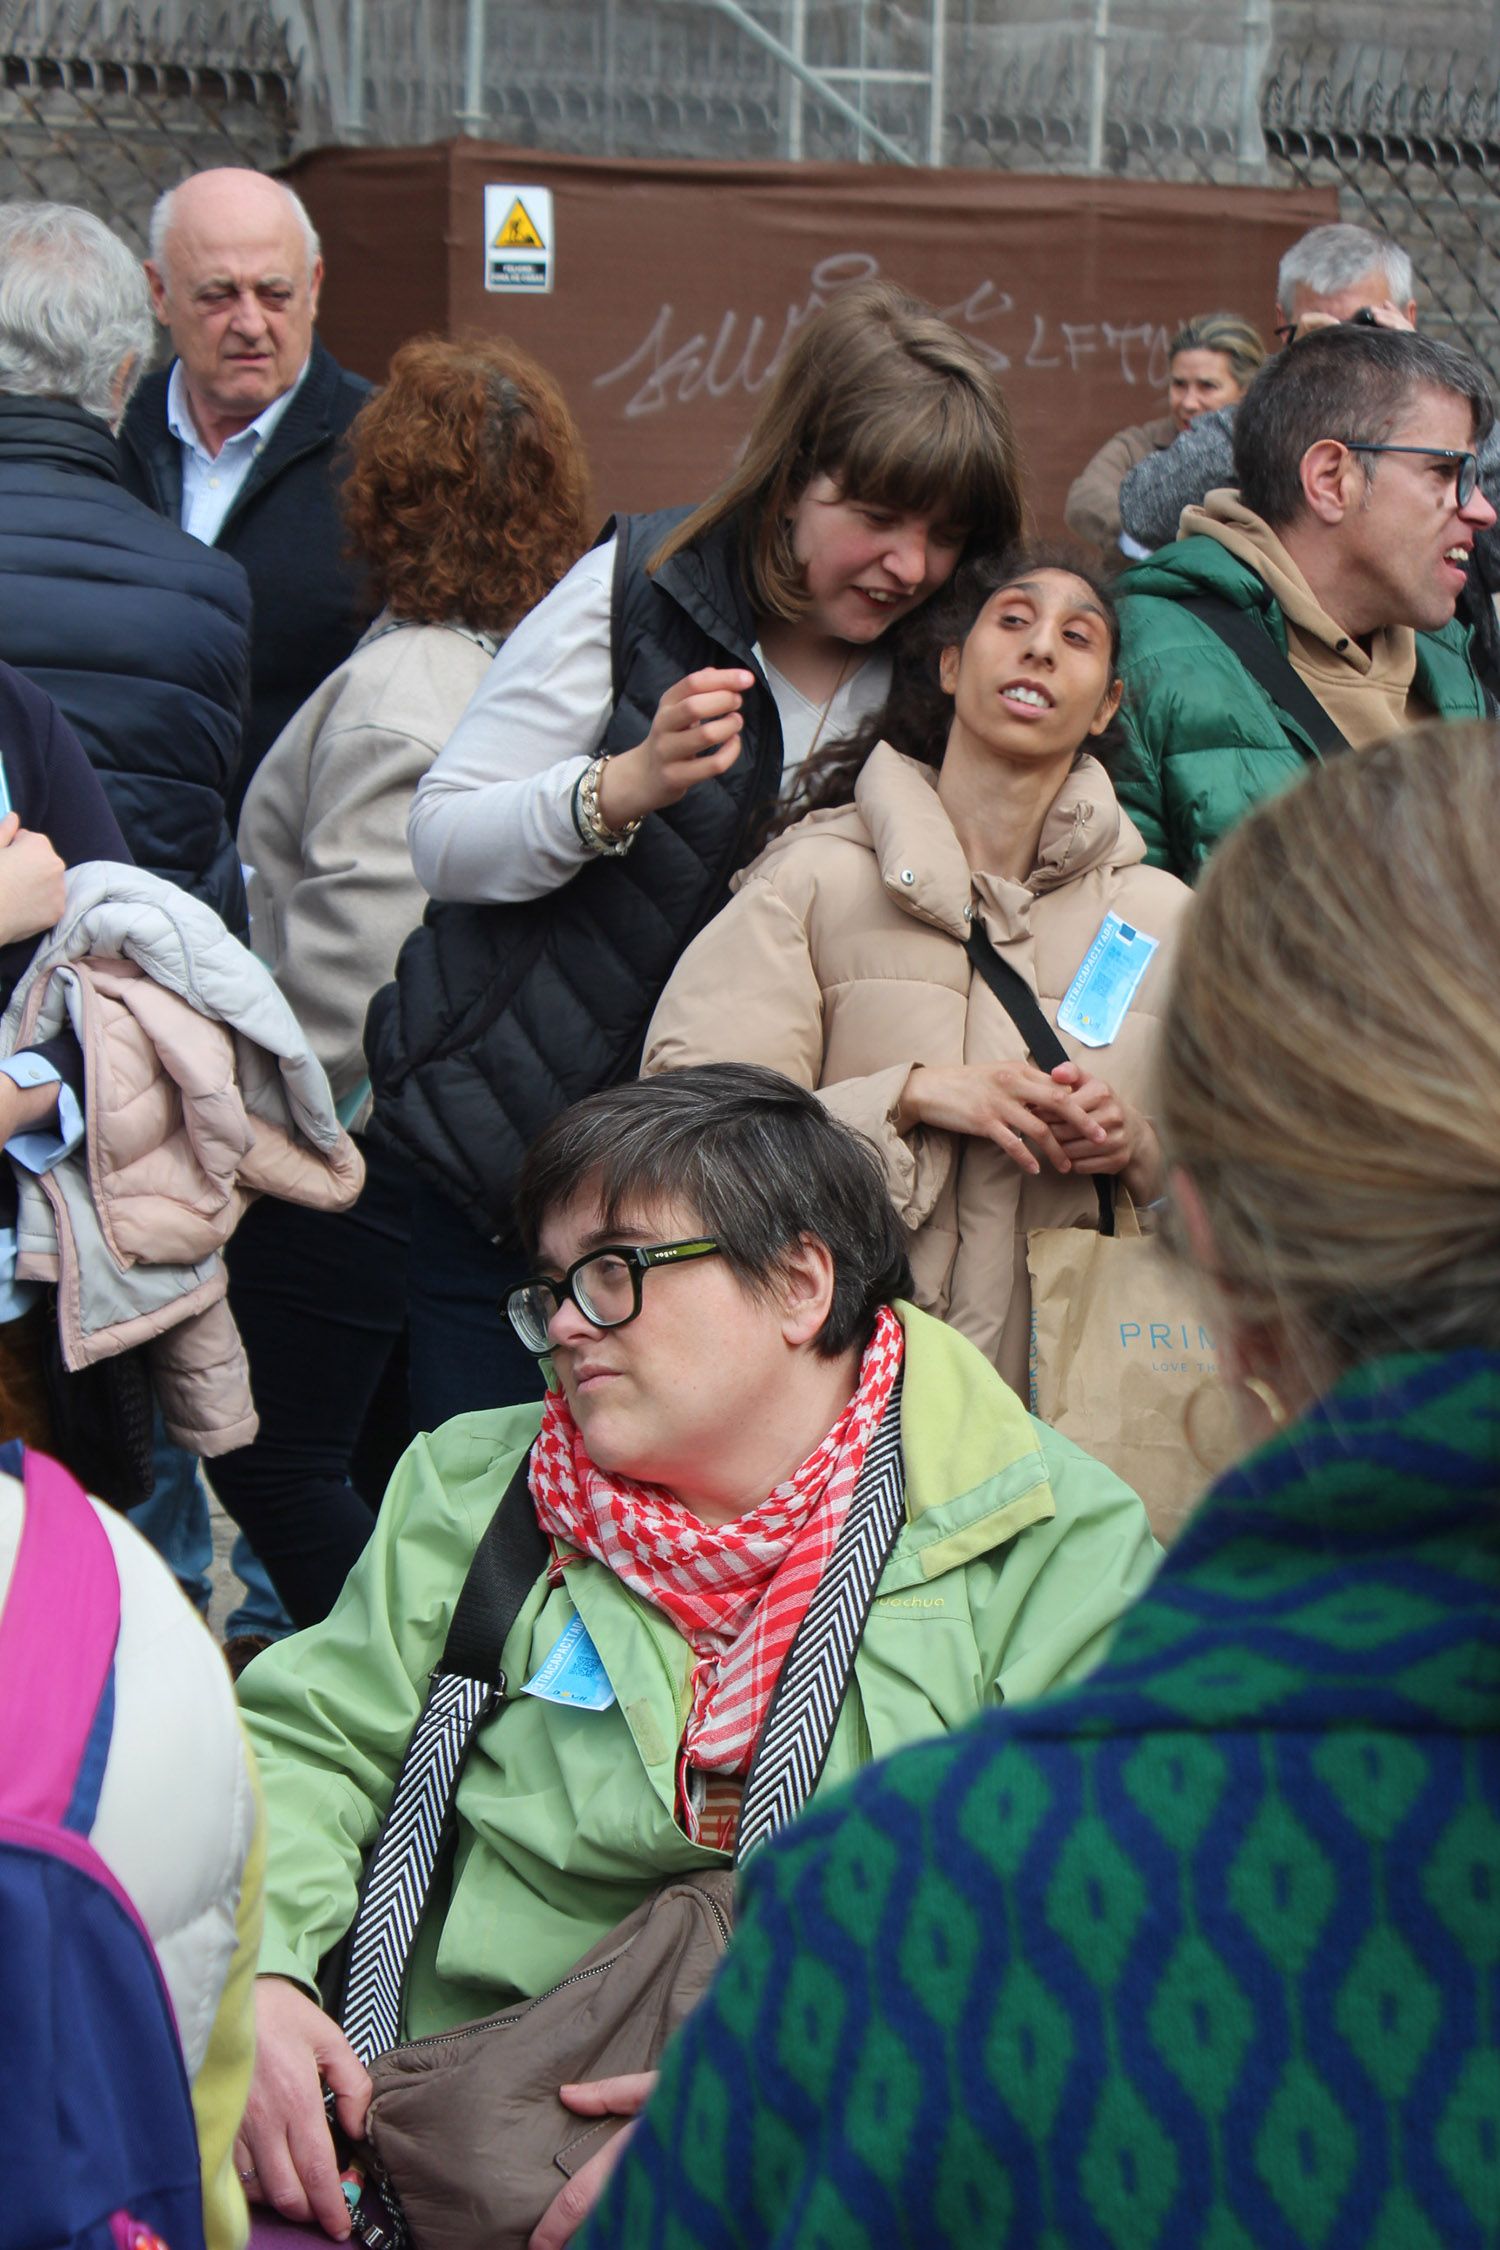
[467, 2140]
[467, 2124]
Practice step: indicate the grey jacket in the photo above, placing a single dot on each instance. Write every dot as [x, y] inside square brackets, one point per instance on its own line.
[323, 834]
[1181, 475]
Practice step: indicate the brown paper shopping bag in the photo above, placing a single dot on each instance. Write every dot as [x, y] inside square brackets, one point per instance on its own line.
[1120, 1342]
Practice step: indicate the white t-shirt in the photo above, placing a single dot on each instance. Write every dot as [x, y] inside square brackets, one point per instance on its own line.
[211, 482]
[492, 819]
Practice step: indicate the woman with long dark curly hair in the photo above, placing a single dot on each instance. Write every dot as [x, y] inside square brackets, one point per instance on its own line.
[466, 499]
[970, 824]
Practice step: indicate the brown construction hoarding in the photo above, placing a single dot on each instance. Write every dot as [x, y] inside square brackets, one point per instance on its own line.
[660, 293]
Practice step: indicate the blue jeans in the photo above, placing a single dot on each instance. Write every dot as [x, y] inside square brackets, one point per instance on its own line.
[175, 1521]
[319, 1298]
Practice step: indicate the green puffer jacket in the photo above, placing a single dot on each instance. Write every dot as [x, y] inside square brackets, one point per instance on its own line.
[1204, 741]
[1019, 1554]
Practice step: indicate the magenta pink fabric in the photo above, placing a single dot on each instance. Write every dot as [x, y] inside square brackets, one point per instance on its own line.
[57, 1641]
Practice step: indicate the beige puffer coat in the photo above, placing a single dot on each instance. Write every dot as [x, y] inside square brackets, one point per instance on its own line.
[841, 961]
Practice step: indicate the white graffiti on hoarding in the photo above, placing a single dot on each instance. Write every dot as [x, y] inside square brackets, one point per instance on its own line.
[742, 352]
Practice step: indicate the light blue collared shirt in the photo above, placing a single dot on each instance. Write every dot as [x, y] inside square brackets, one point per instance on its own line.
[211, 482]
[38, 1150]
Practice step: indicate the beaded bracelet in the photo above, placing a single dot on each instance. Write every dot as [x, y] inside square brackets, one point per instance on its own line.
[593, 833]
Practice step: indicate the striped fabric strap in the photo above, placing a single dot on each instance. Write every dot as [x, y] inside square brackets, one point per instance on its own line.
[405, 1860]
[794, 1743]
[809, 1695]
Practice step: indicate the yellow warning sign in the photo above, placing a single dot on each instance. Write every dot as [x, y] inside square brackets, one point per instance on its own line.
[518, 232]
[520, 240]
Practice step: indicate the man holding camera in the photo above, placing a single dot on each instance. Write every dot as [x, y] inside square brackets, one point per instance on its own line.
[1333, 273]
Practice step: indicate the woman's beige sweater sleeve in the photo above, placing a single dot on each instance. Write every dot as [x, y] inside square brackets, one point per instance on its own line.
[339, 927]
[1092, 508]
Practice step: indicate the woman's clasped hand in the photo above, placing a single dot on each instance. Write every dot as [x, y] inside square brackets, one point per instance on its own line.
[1021, 1108]
[1077, 1122]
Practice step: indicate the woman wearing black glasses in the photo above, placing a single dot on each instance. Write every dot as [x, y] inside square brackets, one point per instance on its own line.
[741, 1399]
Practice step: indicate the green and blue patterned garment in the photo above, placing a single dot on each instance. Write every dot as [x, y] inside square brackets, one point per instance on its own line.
[1202, 1955]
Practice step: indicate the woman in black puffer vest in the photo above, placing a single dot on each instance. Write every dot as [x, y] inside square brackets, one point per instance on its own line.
[623, 755]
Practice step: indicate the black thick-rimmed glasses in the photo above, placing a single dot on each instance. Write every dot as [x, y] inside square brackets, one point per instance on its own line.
[605, 1286]
[1467, 481]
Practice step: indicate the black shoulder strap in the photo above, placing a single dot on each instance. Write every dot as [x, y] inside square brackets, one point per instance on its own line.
[620, 527]
[809, 1693]
[1046, 1049]
[1266, 665]
[508, 1561]
[417, 1832]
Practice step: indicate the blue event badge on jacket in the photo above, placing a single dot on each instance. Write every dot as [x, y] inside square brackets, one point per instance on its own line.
[1095, 1003]
[574, 1672]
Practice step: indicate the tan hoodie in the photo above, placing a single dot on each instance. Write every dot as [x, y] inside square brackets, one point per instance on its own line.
[841, 960]
[1366, 692]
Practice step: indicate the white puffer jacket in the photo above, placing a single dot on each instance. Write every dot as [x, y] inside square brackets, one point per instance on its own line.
[178, 1825]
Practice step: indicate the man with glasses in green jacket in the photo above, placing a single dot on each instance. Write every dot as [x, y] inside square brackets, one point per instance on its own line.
[1312, 608]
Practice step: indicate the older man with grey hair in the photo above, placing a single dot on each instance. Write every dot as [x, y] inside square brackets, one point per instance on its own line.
[1330, 274]
[239, 441]
[138, 633]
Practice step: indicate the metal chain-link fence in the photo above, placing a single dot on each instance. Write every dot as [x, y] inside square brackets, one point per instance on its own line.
[104, 106]
[106, 110]
[1415, 154]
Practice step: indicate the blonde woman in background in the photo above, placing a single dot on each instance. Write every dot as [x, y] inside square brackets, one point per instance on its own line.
[1246, 1877]
[1212, 361]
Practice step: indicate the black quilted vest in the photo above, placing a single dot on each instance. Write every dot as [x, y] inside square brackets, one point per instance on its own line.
[501, 1016]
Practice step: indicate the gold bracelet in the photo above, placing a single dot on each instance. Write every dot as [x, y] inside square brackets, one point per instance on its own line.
[611, 843]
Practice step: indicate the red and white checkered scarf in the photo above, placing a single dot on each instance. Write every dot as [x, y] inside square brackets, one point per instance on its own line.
[737, 1592]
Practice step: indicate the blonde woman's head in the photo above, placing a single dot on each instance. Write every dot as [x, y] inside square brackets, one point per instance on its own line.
[1331, 1060]
[1213, 359]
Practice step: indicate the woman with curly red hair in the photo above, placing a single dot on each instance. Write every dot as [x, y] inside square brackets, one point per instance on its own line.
[467, 500]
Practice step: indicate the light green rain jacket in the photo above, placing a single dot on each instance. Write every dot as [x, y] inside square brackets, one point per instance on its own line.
[1018, 1555]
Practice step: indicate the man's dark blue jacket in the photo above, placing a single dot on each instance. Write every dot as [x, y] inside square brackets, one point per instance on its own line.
[140, 635]
[285, 528]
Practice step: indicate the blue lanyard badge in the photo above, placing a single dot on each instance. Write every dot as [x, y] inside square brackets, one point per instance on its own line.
[573, 1673]
[1094, 1005]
